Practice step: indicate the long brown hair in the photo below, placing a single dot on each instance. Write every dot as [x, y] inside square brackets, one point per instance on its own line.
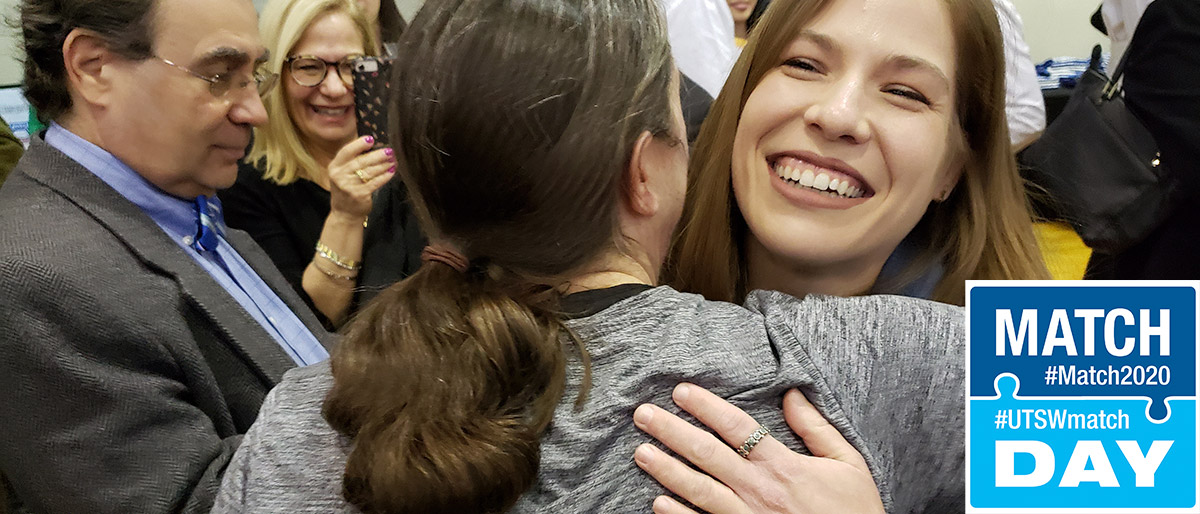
[984, 230]
[514, 122]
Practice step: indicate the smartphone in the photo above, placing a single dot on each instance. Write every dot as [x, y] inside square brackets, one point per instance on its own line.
[371, 87]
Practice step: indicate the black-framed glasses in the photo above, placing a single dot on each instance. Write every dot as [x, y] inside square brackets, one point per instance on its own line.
[310, 71]
[222, 83]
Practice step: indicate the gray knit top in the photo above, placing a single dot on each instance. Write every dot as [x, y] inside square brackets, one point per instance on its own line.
[887, 371]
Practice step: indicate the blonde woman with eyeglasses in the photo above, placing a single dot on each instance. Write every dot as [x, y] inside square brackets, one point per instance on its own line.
[305, 190]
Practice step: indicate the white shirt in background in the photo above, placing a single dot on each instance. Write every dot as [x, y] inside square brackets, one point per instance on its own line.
[1023, 105]
[701, 33]
[1121, 18]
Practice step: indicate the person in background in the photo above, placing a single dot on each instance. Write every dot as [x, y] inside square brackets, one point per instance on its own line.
[1024, 107]
[304, 192]
[760, 8]
[138, 336]
[701, 33]
[1160, 89]
[1121, 19]
[1063, 251]
[697, 30]
[741, 10]
[503, 374]
[10, 151]
[388, 24]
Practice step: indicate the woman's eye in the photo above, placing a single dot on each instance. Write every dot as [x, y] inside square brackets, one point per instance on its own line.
[801, 64]
[908, 93]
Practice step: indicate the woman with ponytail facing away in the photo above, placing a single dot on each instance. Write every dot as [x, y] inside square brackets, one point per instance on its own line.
[542, 144]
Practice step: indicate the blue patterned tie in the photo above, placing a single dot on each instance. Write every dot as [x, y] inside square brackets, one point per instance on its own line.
[207, 233]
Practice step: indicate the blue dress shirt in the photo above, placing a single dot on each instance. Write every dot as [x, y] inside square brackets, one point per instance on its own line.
[177, 217]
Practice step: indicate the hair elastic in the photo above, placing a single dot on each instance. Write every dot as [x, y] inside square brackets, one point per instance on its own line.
[445, 255]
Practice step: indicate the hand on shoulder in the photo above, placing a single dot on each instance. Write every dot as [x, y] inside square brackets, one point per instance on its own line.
[770, 478]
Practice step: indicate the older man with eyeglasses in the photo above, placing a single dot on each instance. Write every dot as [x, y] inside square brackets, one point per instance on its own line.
[138, 336]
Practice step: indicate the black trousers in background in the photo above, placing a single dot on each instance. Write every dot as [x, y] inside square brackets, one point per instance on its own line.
[1162, 87]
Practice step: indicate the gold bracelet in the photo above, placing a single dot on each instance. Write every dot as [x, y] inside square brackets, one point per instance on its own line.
[346, 264]
[330, 274]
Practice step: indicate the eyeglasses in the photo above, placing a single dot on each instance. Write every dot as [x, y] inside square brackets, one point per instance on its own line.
[222, 83]
[309, 71]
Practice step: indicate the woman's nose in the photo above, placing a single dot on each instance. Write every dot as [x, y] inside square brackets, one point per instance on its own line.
[332, 84]
[838, 113]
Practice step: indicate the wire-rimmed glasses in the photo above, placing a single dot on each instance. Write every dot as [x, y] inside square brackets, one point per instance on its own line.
[222, 83]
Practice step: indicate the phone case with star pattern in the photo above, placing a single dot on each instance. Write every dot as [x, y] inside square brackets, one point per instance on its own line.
[372, 76]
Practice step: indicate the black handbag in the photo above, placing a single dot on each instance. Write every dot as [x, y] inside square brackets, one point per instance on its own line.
[1101, 166]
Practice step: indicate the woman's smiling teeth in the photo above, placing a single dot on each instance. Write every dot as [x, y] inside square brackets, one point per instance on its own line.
[331, 111]
[820, 181]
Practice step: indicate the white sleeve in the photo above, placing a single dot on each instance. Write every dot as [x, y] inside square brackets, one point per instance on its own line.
[1120, 19]
[1024, 105]
[701, 34]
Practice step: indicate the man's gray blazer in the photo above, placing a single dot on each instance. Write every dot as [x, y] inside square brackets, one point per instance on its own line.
[128, 374]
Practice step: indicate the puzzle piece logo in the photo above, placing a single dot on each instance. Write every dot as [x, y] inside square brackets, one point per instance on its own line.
[1086, 341]
[1081, 398]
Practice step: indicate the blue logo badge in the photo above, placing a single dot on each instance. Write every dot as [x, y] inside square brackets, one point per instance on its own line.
[1081, 397]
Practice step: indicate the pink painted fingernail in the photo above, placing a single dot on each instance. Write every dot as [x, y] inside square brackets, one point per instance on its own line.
[392, 169]
[389, 152]
[681, 392]
[643, 415]
[370, 140]
[643, 454]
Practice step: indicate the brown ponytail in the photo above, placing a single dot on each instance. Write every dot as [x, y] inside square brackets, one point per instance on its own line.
[449, 388]
[514, 122]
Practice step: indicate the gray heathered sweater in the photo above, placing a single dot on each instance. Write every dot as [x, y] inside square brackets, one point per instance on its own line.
[887, 371]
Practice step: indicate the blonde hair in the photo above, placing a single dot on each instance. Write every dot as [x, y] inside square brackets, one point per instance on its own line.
[278, 148]
[984, 230]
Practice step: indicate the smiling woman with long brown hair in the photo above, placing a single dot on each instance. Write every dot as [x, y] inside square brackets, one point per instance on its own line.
[850, 134]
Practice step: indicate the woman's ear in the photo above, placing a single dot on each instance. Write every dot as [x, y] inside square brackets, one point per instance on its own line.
[640, 198]
[948, 183]
[954, 170]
